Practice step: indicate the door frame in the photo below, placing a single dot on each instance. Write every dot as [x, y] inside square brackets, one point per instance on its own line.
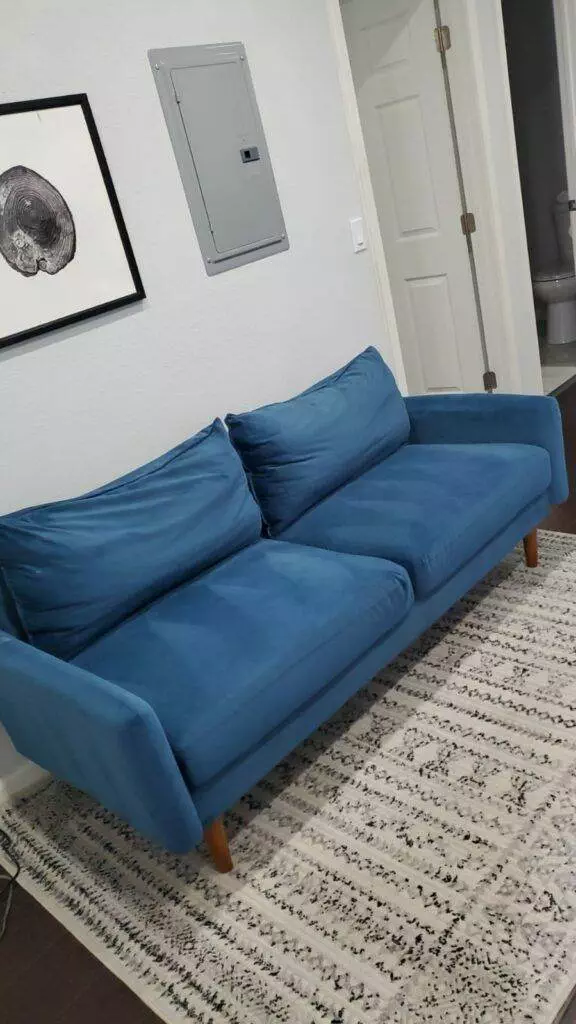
[483, 110]
[565, 27]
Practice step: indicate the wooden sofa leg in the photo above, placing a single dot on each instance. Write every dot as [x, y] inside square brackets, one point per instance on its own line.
[217, 842]
[531, 549]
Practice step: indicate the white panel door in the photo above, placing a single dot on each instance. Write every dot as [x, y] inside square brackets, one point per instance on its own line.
[402, 102]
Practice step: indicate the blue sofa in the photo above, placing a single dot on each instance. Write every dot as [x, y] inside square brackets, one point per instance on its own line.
[162, 649]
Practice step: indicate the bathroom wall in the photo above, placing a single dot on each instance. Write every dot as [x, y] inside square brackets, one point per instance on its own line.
[531, 49]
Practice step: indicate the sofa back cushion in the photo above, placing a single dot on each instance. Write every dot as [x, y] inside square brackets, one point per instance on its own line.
[297, 452]
[76, 568]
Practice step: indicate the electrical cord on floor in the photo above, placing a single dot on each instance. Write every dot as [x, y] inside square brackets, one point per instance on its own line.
[9, 880]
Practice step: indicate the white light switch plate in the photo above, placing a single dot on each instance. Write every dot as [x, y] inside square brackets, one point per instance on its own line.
[357, 229]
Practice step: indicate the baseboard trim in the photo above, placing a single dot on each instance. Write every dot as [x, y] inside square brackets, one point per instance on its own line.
[28, 776]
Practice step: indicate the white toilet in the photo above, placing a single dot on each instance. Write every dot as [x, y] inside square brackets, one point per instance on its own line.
[557, 286]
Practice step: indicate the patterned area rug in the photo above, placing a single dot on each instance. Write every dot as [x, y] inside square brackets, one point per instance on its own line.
[413, 863]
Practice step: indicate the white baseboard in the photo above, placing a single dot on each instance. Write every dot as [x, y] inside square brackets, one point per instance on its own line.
[26, 777]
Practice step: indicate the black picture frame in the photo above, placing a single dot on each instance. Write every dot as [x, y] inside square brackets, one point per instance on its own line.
[138, 293]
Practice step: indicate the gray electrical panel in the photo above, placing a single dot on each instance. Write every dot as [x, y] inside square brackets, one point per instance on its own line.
[212, 116]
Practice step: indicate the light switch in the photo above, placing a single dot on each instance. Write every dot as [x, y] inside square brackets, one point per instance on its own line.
[357, 229]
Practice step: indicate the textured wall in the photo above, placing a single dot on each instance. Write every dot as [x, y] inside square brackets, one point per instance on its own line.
[81, 406]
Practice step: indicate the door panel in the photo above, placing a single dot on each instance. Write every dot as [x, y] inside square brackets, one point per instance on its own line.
[400, 89]
[408, 166]
[433, 320]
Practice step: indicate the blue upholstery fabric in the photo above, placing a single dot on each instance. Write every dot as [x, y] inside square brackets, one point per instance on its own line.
[228, 656]
[9, 618]
[77, 567]
[297, 452]
[100, 738]
[172, 716]
[428, 507]
[225, 789]
[483, 419]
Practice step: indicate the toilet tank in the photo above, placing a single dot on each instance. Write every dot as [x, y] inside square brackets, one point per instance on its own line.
[564, 229]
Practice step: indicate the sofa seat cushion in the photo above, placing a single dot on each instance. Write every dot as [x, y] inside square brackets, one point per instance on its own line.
[226, 658]
[76, 568]
[297, 452]
[428, 507]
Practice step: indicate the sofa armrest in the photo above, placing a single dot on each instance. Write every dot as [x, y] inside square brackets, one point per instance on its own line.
[98, 736]
[485, 419]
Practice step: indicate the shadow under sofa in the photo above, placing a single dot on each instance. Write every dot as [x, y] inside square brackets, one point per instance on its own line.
[162, 652]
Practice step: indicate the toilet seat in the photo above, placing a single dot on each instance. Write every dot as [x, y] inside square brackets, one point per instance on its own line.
[555, 274]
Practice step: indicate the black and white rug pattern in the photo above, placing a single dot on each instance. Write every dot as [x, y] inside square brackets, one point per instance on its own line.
[413, 863]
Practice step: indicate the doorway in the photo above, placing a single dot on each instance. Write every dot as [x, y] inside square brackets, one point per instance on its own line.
[409, 135]
[535, 88]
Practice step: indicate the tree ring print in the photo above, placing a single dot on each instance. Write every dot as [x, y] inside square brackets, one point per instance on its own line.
[36, 227]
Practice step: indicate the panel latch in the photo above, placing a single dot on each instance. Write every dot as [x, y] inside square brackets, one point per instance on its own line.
[250, 154]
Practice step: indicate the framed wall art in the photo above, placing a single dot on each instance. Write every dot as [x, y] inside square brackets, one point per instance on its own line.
[65, 254]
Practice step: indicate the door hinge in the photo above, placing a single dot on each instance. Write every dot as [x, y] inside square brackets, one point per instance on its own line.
[572, 205]
[490, 382]
[468, 222]
[443, 38]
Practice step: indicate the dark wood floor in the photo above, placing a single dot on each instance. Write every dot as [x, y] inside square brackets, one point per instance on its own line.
[47, 977]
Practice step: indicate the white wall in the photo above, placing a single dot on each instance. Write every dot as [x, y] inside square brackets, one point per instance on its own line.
[83, 405]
